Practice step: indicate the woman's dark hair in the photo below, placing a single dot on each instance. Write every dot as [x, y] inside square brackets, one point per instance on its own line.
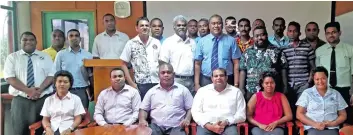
[267, 74]
[320, 69]
[64, 73]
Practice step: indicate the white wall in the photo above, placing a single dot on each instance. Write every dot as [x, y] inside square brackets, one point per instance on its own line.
[301, 11]
[345, 21]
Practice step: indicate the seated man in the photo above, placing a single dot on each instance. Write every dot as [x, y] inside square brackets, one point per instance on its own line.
[218, 106]
[169, 104]
[118, 104]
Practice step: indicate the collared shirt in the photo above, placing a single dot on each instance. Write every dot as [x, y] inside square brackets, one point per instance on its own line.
[213, 106]
[298, 59]
[321, 108]
[117, 107]
[73, 62]
[179, 54]
[283, 42]
[109, 47]
[162, 39]
[319, 43]
[144, 59]
[228, 50]
[62, 112]
[51, 52]
[344, 62]
[255, 61]
[244, 45]
[197, 39]
[167, 108]
[16, 66]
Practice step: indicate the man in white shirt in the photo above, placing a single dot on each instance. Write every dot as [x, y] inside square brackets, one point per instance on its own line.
[143, 52]
[119, 103]
[178, 51]
[29, 73]
[110, 43]
[217, 107]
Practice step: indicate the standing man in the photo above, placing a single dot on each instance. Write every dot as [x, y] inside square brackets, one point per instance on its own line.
[157, 29]
[203, 28]
[279, 39]
[244, 41]
[110, 43]
[143, 52]
[261, 57]
[216, 50]
[312, 35]
[29, 73]
[168, 104]
[192, 29]
[178, 50]
[58, 43]
[71, 59]
[218, 107]
[231, 26]
[258, 22]
[119, 103]
[338, 58]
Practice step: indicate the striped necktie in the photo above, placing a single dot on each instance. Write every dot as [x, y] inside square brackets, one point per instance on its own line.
[214, 57]
[30, 73]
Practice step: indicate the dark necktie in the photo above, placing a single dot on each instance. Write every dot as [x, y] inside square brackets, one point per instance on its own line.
[214, 57]
[333, 76]
[30, 73]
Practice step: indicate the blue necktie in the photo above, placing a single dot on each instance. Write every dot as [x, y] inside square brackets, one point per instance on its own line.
[214, 59]
[30, 73]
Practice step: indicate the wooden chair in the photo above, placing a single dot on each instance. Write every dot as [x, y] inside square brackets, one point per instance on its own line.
[84, 123]
[246, 126]
[94, 123]
[346, 128]
[194, 127]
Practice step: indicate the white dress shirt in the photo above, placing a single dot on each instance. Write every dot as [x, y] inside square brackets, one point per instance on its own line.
[179, 54]
[211, 106]
[143, 58]
[62, 112]
[109, 47]
[16, 66]
[117, 107]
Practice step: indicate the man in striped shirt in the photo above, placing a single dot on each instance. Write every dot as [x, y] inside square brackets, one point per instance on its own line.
[301, 61]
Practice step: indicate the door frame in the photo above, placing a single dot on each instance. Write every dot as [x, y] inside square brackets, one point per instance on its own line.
[47, 17]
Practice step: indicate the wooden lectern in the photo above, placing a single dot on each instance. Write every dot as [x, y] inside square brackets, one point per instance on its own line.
[101, 73]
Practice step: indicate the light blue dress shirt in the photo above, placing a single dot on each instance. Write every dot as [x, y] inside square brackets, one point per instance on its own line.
[284, 42]
[320, 108]
[73, 62]
[162, 39]
[227, 51]
[197, 39]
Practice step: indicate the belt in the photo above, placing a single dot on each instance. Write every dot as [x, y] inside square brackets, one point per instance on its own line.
[184, 77]
[78, 88]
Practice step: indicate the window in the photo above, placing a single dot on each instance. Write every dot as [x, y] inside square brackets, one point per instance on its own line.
[7, 32]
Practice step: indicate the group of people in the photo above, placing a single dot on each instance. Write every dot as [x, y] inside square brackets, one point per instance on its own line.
[199, 73]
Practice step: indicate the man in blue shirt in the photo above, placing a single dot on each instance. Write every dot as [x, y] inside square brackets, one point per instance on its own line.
[216, 50]
[278, 39]
[71, 59]
[203, 28]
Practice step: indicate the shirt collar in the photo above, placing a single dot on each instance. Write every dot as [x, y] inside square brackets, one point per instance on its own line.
[115, 34]
[284, 38]
[179, 39]
[24, 53]
[125, 88]
[337, 46]
[138, 40]
[316, 92]
[70, 49]
[228, 87]
[214, 37]
[67, 96]
[160, 87]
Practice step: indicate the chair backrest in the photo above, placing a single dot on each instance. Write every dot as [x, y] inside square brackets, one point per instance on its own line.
[347, 130]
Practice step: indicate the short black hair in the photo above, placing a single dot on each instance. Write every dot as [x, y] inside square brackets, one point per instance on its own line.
[117, 68]
[65, 74]
[312, 23]
[258, 19]
[295, 24]
[203, 19]
[140, 19]
[320, 69]
[221, 69]
[28, 33]
[260, 28]
[109, 14]
[156, 19]
[230, 18]
[267, 74]
[333, 24]
[216, 16]
[279, 18]
[244, 20]
[60, 31]
[71, 30]
[192, 20]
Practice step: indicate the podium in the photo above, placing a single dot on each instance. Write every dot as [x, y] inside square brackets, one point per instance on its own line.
[101, 73]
